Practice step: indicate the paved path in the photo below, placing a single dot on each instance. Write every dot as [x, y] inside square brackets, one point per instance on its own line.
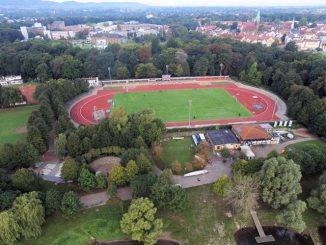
[215, 170]
[100, 198]
[263, 150]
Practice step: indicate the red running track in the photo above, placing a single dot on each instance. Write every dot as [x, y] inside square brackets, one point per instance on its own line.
[82, 111]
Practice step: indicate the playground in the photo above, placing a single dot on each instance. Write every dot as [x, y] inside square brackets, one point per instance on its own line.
[180, 104]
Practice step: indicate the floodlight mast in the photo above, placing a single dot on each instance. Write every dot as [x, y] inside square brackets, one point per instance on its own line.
[109, 69]
[190, 104]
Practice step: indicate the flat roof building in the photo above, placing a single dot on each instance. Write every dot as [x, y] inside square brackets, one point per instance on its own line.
[221, 138]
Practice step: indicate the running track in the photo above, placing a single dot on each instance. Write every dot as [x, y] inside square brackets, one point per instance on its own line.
[82, 111]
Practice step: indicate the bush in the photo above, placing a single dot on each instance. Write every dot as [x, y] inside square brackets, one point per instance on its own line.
[131, 170]
[26, 180]
[222, 186]
[69, 170]
[189, 167]
[87, 179]
[117, 175]
[144, 164]
[250, 167]
[112, 190]
[100, 180]
[53, 199]
[70, 204]
[176, 167]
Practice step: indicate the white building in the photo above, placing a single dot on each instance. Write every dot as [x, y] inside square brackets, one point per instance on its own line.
[92, 81]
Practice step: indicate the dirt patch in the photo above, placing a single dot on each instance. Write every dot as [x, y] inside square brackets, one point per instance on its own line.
[104, 164]
[22, 130]
[28, 91]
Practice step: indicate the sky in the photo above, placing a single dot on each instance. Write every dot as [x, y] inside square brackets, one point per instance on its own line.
[227, 3]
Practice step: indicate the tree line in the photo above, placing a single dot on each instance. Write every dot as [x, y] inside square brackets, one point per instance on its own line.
[298, 77]
[9, 96]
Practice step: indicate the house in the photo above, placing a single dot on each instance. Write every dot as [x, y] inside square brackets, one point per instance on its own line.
[92, 81]
[11, 80]
[221, 138]
[101, 40]
[251, 134]
[247, 152]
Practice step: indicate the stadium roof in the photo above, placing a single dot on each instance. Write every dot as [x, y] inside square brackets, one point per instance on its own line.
[250, 132]
[222, 137]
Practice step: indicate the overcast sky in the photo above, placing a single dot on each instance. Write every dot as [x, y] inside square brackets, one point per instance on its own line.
[261, 3]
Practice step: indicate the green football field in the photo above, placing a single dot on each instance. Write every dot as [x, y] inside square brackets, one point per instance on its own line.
[173, 105]
[13, 124]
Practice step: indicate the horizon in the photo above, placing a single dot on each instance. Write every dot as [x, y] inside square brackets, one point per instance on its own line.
[211, 3]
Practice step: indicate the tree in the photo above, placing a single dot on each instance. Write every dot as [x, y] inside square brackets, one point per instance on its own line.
[225, 153]
[100, 180]
[140, 221]
[201, 66]
[317, 199]
[131, 170]
[34, 137]
[222, 186]
[291, 46]
[117, 175]
[7, 198]
[243, 194]
[87, 179]
[112, 190]
[70, 204]
[53, 198]
[250, 167]
[69, 170]
[291, 216]
[252, 75]
[26, 180]
[204, 149]
[157, 151]
[29, 214]
[141, 185]
[73, 145]
[147, 70]
[61, 145]
[10, 230]
[166, 196]
[280, 181]
[144, 164]
[176, 167]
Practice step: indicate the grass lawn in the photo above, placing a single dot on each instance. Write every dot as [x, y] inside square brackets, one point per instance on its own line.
[220, 82]
[12, 123]
[111, 87]
[177, 150]
[173, 105]
[103, 224]
[315, 143]
[203, 222]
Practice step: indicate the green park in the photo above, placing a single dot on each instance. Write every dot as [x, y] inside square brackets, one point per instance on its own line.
[13, 124]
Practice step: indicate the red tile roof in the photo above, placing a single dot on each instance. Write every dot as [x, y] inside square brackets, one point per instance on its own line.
[250, 132]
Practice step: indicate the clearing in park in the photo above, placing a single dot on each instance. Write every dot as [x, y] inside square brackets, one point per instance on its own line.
[173, 105]
[13, 124]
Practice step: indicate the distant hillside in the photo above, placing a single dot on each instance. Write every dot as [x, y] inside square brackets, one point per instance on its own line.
[39, 4]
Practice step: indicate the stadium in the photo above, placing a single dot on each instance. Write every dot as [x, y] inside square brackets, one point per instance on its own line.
[181, 102]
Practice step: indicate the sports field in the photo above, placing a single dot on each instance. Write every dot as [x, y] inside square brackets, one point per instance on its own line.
[13, 124]
[173, 105]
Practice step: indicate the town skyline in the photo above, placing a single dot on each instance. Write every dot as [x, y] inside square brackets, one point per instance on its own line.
[231, 3]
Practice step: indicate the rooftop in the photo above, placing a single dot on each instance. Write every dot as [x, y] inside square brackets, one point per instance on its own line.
[222, 137]
[250, 132]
